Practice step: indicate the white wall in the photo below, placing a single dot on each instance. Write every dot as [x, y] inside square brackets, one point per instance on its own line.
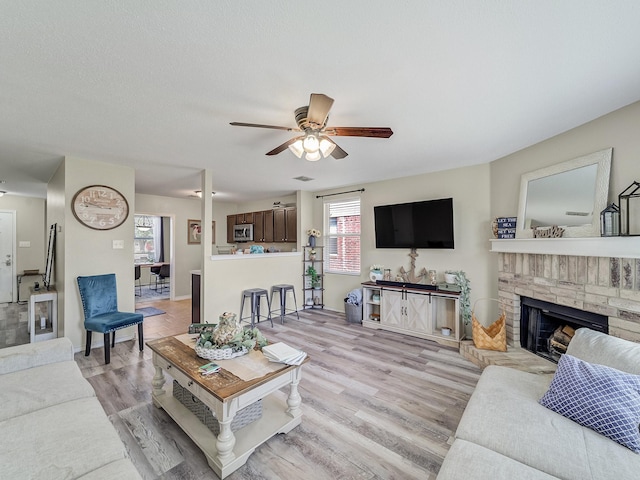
[228, 277]
[30, 227]
[618, 129]
[469, 188]
[86, 251]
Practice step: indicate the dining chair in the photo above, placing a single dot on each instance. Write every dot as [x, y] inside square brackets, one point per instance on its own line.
[162, 275]
[99, 296]
[137, 271]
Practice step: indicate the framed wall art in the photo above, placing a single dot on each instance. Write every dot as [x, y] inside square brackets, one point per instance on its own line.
[194, 232]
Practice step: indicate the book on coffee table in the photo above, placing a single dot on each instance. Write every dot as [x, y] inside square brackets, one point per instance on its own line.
[282, 353]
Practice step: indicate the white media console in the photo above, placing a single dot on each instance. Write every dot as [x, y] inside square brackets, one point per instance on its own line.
[429, 314]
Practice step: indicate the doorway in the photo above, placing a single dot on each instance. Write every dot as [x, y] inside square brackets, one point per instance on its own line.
[153, 257]
[7, 255]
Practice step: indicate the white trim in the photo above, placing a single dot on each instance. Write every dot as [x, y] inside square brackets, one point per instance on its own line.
[622, 247]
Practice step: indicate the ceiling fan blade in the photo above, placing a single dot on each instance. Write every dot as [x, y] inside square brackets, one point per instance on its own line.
[337, 152]
[275, 127]
[377, 132]
[319, 106]
[284, 146]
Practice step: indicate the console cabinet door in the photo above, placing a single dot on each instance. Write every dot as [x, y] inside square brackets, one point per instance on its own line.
[417, 309]
[392, 308]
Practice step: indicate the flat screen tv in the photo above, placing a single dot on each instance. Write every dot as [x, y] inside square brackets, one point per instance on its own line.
[425, 224]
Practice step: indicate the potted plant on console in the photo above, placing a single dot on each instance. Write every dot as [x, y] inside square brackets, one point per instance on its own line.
[461, 280]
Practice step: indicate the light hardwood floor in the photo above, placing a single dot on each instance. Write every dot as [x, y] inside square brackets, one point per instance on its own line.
[376, 405]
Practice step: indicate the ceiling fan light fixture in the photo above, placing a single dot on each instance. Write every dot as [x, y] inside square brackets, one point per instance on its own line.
[313, 156]
[326, 147]
[199, 193]
[297, 148]
[311, 144]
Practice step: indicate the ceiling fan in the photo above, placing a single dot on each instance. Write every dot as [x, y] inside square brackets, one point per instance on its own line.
[315, 142]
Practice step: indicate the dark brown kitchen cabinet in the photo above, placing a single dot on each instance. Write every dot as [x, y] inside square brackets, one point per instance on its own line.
[285, 225]
[263, 226]
[231, 221]
[242, 218]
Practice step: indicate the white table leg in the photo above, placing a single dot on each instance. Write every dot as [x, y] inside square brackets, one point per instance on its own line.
[295, 400]
[225, 442]
[158, 384]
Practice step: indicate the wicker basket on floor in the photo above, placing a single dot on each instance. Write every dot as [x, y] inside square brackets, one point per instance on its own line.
[493, 337]
[244, 417]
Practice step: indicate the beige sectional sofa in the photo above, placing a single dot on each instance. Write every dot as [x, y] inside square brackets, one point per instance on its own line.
[52, 426]
[506, 434]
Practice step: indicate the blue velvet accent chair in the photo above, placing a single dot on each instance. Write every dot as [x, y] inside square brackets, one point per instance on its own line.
[100, 304]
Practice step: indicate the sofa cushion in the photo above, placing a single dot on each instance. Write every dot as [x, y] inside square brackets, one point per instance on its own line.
[603, 349]
[36, 388]
[601, 398]
[29, 355]
[467, 460]
[59, 442]
[504, 415]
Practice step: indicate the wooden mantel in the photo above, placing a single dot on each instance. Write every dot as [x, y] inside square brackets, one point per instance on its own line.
[622, 247]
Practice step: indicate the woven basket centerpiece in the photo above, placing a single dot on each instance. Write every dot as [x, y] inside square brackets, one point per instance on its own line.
[227, 339]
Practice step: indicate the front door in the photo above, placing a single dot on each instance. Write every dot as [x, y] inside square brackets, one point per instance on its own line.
[7, 254]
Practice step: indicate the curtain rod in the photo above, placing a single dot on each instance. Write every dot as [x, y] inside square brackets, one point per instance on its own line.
[339, 193]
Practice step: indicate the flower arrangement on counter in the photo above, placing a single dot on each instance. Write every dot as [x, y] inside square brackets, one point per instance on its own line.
[312, 232]
[376, 267]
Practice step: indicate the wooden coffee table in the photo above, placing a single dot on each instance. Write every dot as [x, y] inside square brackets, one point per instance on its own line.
[225, 394]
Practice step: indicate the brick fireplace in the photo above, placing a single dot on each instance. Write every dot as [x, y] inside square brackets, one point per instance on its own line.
[608, 286]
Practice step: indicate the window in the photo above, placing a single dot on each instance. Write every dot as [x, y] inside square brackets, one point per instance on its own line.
[342, 222]
[146, 237]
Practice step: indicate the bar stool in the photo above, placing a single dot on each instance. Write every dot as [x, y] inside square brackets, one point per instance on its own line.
[282, 289]
[255, 294]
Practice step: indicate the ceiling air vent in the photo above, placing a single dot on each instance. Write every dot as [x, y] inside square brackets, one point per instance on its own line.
[303, 178]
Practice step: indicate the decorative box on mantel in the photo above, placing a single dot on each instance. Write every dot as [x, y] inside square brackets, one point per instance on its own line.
[622, 247]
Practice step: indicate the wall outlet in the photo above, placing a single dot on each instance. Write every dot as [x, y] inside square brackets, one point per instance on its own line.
[24, 243]
[118, 244]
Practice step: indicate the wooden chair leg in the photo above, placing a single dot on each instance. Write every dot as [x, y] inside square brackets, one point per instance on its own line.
[140, 339]
[88, 344]
[107, 349]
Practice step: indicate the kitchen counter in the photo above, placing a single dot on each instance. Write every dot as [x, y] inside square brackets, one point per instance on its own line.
[217, 258]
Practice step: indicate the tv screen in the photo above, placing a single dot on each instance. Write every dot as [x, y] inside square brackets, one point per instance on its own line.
[426, 224]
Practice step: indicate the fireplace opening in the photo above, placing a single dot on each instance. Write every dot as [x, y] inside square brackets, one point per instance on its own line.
[547, 328]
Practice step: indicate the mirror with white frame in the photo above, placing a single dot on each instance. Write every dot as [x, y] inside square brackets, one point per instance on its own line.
[570, 194]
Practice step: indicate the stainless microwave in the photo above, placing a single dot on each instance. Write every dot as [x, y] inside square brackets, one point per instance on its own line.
[243, 233]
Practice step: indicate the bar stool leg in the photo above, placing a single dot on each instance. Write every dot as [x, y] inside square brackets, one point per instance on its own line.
[255, 307]
[295, 302]
[283, 303]
[241, 307]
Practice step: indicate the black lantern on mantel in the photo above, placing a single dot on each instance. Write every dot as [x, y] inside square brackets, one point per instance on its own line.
[610, 221]
[629, 221]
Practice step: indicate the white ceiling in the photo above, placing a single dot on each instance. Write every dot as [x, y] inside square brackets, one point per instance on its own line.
[154, 84]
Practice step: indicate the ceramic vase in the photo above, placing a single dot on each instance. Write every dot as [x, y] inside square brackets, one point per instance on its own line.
[312, 241]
